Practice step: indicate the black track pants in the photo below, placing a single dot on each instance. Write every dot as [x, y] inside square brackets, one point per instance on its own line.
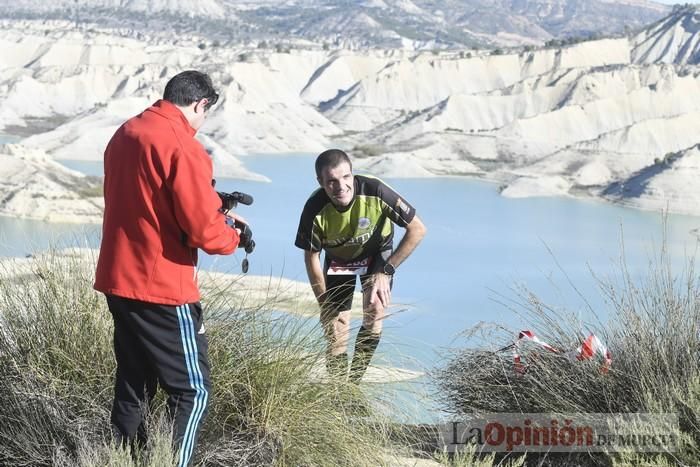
[165, 344]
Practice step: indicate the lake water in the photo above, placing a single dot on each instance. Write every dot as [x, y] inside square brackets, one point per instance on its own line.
[479, 245]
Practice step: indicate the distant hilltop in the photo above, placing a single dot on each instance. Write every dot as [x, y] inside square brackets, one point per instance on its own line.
[417, 24]
[673, 39]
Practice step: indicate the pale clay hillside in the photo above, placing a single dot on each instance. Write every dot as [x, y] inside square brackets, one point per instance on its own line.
[613, 118]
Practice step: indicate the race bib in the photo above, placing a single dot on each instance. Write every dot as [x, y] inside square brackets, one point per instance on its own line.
[341, 268]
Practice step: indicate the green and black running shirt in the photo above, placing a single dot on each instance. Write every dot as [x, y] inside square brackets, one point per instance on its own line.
[362, 229]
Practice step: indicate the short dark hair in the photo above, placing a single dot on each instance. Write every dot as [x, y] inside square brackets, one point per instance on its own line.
[190, 86]
[331, 158]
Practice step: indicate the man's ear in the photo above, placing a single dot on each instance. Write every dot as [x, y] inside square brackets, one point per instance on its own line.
[320, 182]
[199, 106]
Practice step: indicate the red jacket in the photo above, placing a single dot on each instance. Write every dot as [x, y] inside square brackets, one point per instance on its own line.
[159, 208]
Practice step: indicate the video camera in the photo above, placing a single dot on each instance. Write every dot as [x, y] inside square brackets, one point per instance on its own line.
[230, 201]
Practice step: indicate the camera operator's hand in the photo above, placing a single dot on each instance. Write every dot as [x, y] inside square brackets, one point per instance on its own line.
[245, 233]
[246, 237]
[236, 224]
[237, 217]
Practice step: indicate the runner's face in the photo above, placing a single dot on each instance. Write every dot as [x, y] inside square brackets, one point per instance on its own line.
[338, 183]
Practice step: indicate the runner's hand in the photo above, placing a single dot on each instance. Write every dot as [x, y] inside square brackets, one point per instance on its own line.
[381, 289]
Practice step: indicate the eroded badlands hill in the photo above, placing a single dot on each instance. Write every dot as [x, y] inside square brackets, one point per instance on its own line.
[613, 117]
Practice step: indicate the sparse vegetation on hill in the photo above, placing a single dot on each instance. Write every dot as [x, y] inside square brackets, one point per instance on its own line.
[653, 333]
[269, 408]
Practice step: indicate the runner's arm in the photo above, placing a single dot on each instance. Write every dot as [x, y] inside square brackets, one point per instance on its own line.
[415, 231]
[401, 213]
[312, 260]
[381, 286]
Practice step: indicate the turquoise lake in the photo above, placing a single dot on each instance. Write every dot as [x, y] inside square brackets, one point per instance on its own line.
[478, 247]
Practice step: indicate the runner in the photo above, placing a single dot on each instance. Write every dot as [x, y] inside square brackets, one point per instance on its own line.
[352, 219]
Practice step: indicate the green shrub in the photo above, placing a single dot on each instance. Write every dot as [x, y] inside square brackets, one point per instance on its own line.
[652, 332]
[269, 404]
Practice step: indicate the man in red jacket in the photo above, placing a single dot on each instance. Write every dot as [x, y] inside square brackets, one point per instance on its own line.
[160, 208]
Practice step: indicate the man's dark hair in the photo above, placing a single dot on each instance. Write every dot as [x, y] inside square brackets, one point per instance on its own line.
[331, 158]
[188, 87]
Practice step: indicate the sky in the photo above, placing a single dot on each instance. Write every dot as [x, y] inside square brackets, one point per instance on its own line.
[673, 2]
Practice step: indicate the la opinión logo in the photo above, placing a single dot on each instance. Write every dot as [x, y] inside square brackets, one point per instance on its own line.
[563, 433]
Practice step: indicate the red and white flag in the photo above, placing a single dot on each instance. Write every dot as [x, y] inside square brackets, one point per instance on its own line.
[590, 348]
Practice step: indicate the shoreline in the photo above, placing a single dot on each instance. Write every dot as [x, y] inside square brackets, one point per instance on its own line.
[498, 179]
[259, 294]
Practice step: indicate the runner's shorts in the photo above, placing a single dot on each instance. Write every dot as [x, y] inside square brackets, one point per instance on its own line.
[341, 278]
